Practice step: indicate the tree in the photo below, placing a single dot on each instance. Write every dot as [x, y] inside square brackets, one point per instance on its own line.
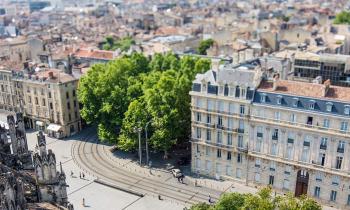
[204, 45]
[342, 18]
[123, 44]
[200, 206]
[232, 201]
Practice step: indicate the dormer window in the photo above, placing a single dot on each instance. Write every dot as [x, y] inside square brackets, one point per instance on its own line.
[347, 109]
[263, 98]
[329, 106]
[312, 105]
[295, 102]
[279, 100]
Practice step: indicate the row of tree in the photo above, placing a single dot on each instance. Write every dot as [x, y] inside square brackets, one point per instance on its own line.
[263, 200]
[128, 92]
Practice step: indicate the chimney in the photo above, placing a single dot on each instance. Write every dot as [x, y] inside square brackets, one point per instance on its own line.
[276, 79]
[51, 75]
[326, 86]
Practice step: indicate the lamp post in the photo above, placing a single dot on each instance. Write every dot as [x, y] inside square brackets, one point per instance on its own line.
[147, 154]
[138, 130]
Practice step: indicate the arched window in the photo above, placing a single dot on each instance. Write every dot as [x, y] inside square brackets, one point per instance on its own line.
[238, 91]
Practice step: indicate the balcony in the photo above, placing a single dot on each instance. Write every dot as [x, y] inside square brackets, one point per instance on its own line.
[218, 126]
[242, 149]
[259, 135]
[323, 146]
[340, 149]
[290, 141]
[274, 137]
[239, 130]
[306, 126]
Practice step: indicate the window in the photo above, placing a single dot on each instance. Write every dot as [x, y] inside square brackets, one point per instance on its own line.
[329, 106]
[263, 98]
[291, 137]
[73, 92]
[333, 196]
[229, 139]
[218, 153]
[228, 170]
[238, 173]
[197, 146]
[275, 134]
[277, 116]
[295, 102]
[288, 170]
[210, 105]
[317, 192]
[338, 162]
[240, 141]
[50, 95]
[232, 91]
[319, 176]
[208, 118]
[43, 102]
[243, 93]
[274, 148]
[239, 158]
[220, 106]
[305, 154]
[341, 146]
[67, 94]
[198, 163]
[238, 91]
[199, 102]
[198, 116]
[272, 166]
[241, 109]
[335, 180]
[279, 100]
[51, 105]
[258, 145]
[241, 126]
[36, 101]
[208, 135]
[259, 132]
[207, 151]
[347, 109]
[218, 168]
[293, 118]
[198, 133]
[230, 123]
[271, 180]
[257, 162]
[69, 117]
[312, 105]
[68, 105]
[220, 121]
[322, 159]
[257, 177]
[307, 141]
[219, 137]
[326, 123]
[286, 184]
[344, 126]
[231, 108]
[208, 165]
[229, 155]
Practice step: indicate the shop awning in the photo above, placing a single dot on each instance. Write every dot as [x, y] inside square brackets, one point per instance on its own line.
[39, 123]
[54, 127]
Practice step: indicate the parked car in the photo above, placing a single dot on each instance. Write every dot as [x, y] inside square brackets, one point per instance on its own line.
[176, 173]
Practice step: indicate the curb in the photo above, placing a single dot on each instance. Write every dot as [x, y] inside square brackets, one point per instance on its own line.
[118, 188]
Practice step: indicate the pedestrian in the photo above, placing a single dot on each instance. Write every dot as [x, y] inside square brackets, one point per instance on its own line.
[159, 197]
[71, 173]
[178, 179]
[195, 183]
[80, 175]
[83, 202]
[210, 201]
[83, 175]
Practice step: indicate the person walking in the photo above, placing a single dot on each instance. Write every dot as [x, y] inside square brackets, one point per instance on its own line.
[83, 175]
[80, 175]
[83, 202]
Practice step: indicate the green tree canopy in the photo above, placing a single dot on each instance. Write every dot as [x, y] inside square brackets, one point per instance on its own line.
[263, 200]
[123, 44]
[133, 90]
[204, 45]
[342, 18]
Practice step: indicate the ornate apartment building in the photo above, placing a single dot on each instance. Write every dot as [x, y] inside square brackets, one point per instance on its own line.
[291, 135]
[47, 98]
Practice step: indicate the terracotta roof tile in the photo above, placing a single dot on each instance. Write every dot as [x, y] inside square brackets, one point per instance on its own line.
[305, 89]
[97, 54]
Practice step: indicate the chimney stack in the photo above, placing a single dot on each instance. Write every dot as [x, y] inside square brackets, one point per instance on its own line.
[276, 79]
[326, 86]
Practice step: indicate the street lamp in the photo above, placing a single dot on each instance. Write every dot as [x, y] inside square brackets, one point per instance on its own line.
[147, 155]
[139, 134]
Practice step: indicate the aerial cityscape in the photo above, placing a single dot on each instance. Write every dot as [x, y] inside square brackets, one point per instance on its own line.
[174, 104]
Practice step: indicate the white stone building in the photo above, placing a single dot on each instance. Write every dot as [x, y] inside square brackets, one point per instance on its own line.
[290, 135]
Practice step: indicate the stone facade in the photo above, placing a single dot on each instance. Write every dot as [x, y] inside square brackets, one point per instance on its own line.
[291, 135]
